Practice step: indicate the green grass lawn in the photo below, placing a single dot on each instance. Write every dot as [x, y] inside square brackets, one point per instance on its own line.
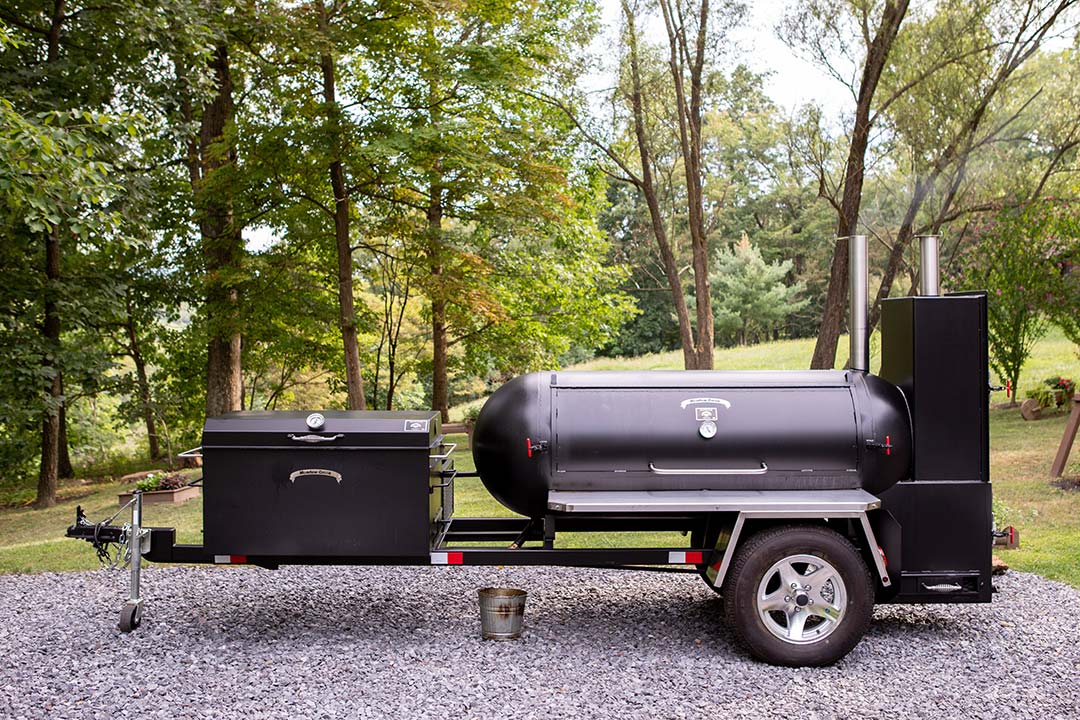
[1021, 452]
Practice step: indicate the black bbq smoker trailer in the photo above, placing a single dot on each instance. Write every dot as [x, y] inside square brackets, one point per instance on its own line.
[806, 497]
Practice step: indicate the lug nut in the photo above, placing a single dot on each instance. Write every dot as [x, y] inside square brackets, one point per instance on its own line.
[787, 598]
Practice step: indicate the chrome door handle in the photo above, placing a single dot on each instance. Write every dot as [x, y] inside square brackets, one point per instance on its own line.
[315, 438]
[709, 471]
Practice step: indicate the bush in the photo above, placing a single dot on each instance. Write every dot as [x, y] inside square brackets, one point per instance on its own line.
[1064, 384]
[161, 481]
[1044, 395]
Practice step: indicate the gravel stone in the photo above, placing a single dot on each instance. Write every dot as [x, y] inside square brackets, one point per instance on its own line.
[401, 642]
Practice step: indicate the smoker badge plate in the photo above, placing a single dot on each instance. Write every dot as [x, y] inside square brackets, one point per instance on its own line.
[314, 471]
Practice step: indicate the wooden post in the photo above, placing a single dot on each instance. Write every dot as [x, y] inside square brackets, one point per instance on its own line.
[1058, 468]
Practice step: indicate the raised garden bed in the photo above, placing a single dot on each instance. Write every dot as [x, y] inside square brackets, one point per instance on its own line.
[162, 488]
[175, 496]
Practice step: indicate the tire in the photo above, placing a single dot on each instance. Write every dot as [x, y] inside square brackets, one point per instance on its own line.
[813, 624]
[130, 617]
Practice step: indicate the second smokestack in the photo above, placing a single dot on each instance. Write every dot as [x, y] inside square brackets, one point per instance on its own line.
[859, 295]
[930, 266]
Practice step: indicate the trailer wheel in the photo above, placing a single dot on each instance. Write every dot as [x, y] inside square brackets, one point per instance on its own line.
[130, 616]
[799, 596]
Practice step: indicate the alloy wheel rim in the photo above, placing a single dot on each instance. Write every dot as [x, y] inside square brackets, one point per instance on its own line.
[801, 599]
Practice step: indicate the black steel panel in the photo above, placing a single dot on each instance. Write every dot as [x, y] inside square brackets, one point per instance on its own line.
[680, 379]
[788, 430]
[647, 431]
[320, 499]
[945, 529]
[934, 349]
[288, 429]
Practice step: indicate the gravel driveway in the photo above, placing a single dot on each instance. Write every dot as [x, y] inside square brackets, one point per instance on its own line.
[404, 643]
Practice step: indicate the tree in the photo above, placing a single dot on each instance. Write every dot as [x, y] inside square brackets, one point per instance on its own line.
[212, 165]
[59, 149]
[977, 61]
[1010, 259]
[951, 61]
[694, 32]
[488, 166]
[820, 26]
[750, 294]
[1064, 251]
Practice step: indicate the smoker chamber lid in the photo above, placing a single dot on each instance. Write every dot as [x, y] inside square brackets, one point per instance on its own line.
[338, 429]
[690, 379]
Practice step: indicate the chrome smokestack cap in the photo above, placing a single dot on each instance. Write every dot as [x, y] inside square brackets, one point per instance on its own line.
[930, 266]
[859, 294]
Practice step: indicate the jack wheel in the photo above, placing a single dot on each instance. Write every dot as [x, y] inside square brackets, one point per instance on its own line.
[130, 616]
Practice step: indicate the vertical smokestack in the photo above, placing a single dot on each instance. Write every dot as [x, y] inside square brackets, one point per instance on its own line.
[858, 292]
[930, 267]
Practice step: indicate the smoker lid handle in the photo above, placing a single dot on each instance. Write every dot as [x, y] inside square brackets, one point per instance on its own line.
[710, 471]
[315, 438]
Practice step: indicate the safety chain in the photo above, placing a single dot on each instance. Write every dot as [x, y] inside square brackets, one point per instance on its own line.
[109, 557]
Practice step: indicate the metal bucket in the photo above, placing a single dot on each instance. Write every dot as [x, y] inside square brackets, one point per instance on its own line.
[502, 613]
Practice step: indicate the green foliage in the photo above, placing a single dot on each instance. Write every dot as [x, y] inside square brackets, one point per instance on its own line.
[1066, 387]
[1064, 252]
[1044, 396]
[750, 296]
[1010, 260]
[161, 481]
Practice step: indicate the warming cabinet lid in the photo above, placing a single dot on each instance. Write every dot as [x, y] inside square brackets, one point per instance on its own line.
[323, 429]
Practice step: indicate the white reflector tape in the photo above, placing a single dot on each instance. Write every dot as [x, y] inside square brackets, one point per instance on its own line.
[223, 559]
[676, 558]
[438, 559]
[685, 558]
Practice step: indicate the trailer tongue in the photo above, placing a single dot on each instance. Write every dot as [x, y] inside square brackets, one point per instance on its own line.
[805, 497]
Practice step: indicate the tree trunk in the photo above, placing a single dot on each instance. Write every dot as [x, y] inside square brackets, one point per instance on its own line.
[836, 299]
[48, 471]
[656, 217]
[63, 465]
[143, 381]
[48, 474]
[896, 254]
[440, 395]
[354, 379]
[689, 112]
[222, 246]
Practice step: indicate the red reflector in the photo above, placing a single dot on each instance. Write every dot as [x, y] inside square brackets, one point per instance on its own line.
[884, 560]
[528, 447]
[888, 445]
[454, 558]
[238, 559]
[694, 558]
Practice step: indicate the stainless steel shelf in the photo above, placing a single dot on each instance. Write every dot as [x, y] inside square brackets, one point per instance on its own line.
[831, 502]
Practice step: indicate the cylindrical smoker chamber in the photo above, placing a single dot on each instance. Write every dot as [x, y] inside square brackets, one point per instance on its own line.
[699, 430]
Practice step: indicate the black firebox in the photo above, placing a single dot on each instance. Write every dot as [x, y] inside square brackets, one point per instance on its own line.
[333, 484]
